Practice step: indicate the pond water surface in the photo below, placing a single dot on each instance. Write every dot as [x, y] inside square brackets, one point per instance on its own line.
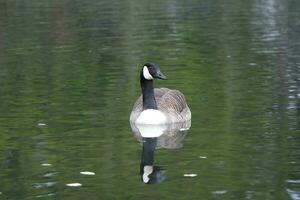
[69, 75]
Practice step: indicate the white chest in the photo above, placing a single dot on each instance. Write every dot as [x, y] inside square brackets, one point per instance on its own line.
[151, 130]
[151, 116]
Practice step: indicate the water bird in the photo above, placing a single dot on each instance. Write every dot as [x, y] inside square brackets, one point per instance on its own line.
[159, 105]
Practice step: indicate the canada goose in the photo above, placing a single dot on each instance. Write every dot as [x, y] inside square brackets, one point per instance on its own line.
[158, 106]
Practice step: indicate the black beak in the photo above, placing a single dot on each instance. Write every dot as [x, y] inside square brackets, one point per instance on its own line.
[160, 75]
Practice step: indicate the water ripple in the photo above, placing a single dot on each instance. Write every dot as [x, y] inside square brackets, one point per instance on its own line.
[43, 185]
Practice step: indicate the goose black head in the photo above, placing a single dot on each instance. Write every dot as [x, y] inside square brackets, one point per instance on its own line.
[151, 71]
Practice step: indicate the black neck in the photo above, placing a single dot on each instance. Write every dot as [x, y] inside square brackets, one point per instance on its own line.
[147, 158]
[148, 93]
[149, 145]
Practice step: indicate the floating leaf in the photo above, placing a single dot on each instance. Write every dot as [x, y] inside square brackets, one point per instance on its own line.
[46, 164]
[190, 175]
[88, 173]
[74, 184]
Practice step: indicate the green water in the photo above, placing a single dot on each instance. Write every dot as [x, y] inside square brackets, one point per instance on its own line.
[69, 76]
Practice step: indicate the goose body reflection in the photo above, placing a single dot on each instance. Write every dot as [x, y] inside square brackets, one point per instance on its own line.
[158, 106]
[169, 136]
[153, 137]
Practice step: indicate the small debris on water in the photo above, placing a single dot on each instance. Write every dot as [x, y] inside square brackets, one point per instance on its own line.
[88, 173]
[190, 175]
[203, 157]
[73, 184]
[50, 174]
[42, 124]
[46, 164]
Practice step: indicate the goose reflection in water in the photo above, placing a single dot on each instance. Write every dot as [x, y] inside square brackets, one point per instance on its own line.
[152, 137]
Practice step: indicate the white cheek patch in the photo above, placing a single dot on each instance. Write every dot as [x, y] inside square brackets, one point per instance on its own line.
[147, 74]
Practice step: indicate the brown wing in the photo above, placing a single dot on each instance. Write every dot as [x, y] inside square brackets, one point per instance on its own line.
[170, 100]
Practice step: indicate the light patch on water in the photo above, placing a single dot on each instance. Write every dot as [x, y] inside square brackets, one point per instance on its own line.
[293, 194]
[291, 97]
[293, 181]
[50, 174]
[46, 164]
[73, 184]
[291, 106]
[43, 185]
[45, 195]
[202, 157]
[270, 36]
[252, 64]
[190, 175]
[219, 192]
[88, 173]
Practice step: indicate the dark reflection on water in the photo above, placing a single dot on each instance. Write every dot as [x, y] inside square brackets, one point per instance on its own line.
[152, 137]
[149, 173]
[69, 76]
